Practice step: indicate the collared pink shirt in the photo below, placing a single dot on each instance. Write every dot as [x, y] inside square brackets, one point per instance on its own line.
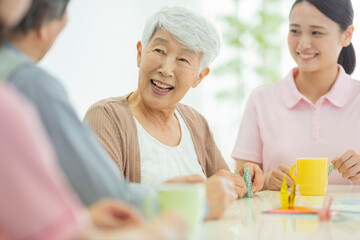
[280, 124]
[35, 200]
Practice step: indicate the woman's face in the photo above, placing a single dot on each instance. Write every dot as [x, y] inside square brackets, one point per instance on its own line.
[167, 69]
[314, 40]
[12, 11]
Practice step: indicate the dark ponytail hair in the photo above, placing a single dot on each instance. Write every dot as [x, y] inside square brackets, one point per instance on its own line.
[341, 12]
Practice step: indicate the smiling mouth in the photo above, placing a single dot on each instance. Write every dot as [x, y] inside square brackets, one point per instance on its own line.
[161, 87]
[307, 56]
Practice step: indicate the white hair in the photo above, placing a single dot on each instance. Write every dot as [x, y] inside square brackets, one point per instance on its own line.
[189, 29]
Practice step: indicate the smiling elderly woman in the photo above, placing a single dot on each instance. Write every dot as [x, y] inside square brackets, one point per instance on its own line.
[149, 134]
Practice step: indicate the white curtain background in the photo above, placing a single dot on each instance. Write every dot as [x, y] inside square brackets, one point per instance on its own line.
[95, 56]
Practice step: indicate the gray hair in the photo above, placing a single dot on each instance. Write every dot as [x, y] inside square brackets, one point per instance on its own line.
[188, 28]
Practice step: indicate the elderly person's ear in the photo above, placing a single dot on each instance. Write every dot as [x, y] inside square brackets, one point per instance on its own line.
[139, 49]
[200, 77]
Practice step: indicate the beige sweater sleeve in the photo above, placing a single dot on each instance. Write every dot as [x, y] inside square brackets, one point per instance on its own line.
[107, 131]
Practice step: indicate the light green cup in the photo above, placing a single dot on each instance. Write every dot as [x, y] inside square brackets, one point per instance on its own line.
[188, 200]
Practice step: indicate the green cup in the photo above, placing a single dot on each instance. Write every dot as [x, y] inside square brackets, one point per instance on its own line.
[188, 200]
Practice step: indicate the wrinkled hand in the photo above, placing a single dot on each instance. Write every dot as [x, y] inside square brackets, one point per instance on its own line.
[110, 213]
[257, 176]
[349, 165]
[275, 178]
[220, 193]
[240, 186]
[193, 178]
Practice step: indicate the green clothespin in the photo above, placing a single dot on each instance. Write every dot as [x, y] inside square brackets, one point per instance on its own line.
[248, 182]
[331, 168]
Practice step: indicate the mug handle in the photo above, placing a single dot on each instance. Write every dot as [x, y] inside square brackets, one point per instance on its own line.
[151, 207]
[292, 173]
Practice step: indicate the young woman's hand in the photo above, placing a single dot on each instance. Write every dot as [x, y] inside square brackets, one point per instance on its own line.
[349, 165]
[257, 176]
[273, 179]
[239, 183]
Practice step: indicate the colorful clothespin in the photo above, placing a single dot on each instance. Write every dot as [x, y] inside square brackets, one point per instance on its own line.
[325, 213]
[287, 200]
[331, 168]
[292, 196]
[248, 182]
[284, 197]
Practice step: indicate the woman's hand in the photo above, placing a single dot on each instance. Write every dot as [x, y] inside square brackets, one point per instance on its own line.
[273, 179]
[220, 193]
[349, 165]
[240, 186]
[113, 214]
[257, 176]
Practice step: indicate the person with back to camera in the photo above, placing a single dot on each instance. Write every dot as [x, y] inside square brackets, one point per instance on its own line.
[314, 110]
[36, 201]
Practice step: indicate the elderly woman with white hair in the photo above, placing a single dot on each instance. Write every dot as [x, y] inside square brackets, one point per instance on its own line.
[150, 135]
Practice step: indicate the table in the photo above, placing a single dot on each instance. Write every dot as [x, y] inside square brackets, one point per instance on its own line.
[245, 219]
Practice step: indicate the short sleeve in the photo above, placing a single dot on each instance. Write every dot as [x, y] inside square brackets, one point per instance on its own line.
[36, 201]
[248, 145]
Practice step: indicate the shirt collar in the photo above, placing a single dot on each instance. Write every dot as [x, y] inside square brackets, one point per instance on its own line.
[290, 94]
[338, 95]
[8, 45]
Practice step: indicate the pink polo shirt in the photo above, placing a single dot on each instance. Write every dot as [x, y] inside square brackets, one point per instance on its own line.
[35, 200]
[280, 124]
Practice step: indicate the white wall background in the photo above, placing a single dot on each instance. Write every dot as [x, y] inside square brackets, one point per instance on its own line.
[95, 56]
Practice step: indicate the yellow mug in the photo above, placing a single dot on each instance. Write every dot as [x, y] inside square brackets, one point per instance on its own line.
[312, 175]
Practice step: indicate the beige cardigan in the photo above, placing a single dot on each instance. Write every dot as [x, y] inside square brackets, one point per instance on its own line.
[115, 127]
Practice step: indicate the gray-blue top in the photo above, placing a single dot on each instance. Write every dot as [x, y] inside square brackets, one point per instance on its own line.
[91, 172]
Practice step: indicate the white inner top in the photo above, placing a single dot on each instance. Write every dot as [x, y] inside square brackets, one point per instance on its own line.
[160, 162]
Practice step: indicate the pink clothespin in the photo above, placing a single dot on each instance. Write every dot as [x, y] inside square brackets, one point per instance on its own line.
[325, 213]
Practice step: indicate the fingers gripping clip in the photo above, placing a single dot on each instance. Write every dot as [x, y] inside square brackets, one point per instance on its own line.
[248, 182]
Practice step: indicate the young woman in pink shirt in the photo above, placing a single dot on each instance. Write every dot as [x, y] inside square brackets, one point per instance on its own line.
[314, 111]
